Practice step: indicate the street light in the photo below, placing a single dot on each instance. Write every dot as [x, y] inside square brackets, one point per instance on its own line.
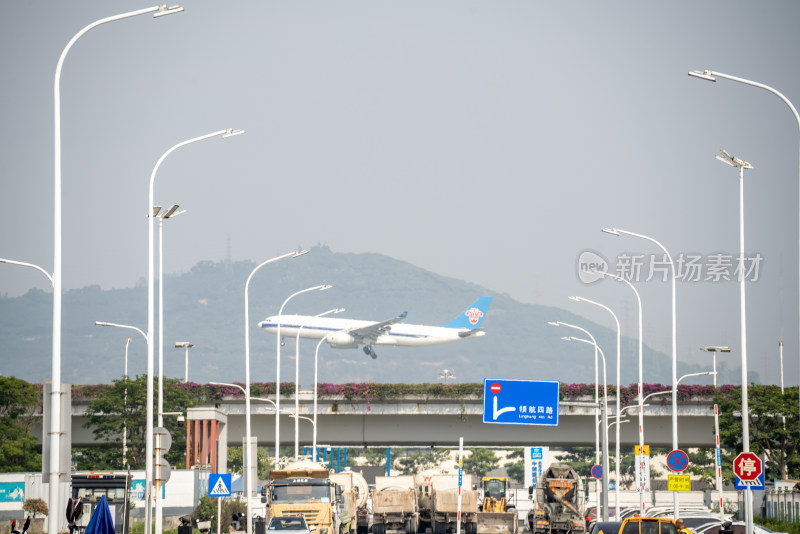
[322, 287]
[713, 350]
[248, 437]
[228, 132]
[617, 232]
[187, 345]
[316, 366]
[55, 393]
[641, 377]
[712, 76]
[603, 503]
[591, 341]
[446, 374]
[297, 378]
[616, 456]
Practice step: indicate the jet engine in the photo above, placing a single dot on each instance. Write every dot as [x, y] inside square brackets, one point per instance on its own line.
[342, 340]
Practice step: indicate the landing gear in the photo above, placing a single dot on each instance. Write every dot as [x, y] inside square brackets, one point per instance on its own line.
[368, 350]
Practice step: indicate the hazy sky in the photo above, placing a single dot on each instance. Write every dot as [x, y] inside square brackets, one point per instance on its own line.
[486, 141]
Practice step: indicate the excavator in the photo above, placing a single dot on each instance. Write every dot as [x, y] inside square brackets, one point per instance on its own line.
[496, 513]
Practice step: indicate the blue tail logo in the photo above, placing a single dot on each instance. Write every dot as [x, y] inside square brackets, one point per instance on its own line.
[473, 316]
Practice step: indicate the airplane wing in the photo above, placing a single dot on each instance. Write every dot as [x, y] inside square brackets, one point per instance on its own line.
[369, 334]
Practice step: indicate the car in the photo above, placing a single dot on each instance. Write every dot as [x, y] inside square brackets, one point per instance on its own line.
[591, 514]
[294, 523]
[648, 525]
[606, 527]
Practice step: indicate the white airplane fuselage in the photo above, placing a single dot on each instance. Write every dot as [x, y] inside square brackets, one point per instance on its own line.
[399, 334]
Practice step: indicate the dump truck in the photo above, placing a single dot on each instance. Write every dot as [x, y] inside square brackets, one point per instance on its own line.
[394, 505]
[353, 513]
[559, 501]
[444, 504]
[496, 511]
[305, 489]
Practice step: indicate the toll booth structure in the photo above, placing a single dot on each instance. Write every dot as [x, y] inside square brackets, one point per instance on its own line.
[207, 439]
[89, 488]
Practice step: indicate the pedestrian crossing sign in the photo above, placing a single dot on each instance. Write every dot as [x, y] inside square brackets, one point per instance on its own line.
[219, 485]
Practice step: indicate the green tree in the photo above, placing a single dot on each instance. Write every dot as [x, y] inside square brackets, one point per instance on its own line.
[19, 449]
[374, 456]
[515, 467]
[480, 462]
[581, 459]
[122, 408]
[773, 424]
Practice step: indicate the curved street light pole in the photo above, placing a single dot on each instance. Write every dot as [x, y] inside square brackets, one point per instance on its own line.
[641, 380]
[600, 409]
[617, 509]
[55, 390]
[148, 475]
[617, 232]
[321, 287]
[297, 379]
[248, 457]
[604, 421]
[316, 366]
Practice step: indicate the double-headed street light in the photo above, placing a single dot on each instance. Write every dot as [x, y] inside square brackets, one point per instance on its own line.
[321, 287]
[185, 345]
[713, 350]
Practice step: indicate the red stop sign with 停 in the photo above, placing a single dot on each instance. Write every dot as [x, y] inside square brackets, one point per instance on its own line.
[747, 466]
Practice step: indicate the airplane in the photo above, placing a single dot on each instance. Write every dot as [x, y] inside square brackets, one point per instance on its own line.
[352, 333]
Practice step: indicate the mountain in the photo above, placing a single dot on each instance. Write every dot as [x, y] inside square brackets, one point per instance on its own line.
[206, 307]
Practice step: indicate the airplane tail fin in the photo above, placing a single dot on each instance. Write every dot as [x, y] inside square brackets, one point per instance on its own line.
[472, 317]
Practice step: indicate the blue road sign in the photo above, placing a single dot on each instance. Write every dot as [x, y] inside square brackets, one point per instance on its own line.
[219, 485]
[757, 484]
[597, 471]
[677, 460]
[520, 402]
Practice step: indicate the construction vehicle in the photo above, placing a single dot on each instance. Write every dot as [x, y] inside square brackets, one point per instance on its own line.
[353, 515]
[496, 512]
[394, 505]
[559, 501]
[423, 486]
[305, 489]
[445, 494]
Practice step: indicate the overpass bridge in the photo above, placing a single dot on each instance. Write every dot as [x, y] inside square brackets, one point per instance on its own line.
[411, 421]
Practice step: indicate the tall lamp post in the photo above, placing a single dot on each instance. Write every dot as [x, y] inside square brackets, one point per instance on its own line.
[602, 503]
[604, 422]
[185, 345]
[161, 215]
[297, 379]
[711, 76]
[641, 378]
[55, 393]
[718, 456]
[617, 232]
[742, 165]
[446, 374]
[125, 407]
[616, 456]
[148, 475]
[248, 436]
[316, 383]
[322, 287]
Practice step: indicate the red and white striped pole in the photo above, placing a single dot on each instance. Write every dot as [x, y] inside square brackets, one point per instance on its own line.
[719, 466]
[460, 466]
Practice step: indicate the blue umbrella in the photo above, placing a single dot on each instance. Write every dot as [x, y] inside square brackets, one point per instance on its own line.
[101, 521]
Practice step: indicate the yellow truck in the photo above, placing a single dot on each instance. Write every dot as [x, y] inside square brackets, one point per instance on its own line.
[305, 489]
[496, 513]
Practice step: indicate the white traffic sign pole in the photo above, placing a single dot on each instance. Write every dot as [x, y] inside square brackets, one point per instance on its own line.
[219, 514]
[460, 466]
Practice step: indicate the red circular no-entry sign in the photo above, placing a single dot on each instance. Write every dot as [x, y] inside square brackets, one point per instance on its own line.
[495, 388]
[747, 466]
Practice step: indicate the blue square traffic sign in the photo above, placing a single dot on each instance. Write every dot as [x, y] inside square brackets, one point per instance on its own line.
[520, 402]
[757, 484]
[219, 485]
